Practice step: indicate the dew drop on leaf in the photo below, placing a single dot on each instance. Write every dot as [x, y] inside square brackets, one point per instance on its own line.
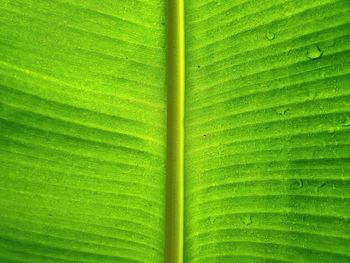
[331, 130]
[321, 185]
[212, 220]
[282, 111]
[300, 183]
[270, 35]
[247, 220]
[346, 122]
[314, 52]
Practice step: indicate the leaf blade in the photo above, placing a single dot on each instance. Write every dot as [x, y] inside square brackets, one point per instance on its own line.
[82, 131]
[266, 149]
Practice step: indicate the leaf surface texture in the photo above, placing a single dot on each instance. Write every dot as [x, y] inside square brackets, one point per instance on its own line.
[83, 131]
[267, 131]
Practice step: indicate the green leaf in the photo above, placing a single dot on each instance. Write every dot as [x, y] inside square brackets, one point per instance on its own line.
[82, 137]
[267, 145]
[83, 131]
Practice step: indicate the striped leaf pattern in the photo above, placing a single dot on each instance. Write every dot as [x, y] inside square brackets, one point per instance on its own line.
[267, 131]
[82, 130]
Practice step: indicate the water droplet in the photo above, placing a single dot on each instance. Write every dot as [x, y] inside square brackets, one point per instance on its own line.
[270, 35]
[331, 130]
[212, 220]
[314, 52]
[318, 187]
[300, 183]
[247, 220]
[323, 184]
[346, 122]
[204, 135]
[282, 111]
[312, 93]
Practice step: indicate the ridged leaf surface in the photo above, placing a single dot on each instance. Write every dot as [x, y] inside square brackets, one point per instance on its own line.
[82, 130]
[267, 131]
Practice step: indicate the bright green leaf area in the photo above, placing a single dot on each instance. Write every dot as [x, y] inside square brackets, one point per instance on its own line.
[267, 131]
[83, 132]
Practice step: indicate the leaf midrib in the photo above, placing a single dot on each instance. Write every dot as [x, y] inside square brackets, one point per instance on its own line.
[175, 133]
